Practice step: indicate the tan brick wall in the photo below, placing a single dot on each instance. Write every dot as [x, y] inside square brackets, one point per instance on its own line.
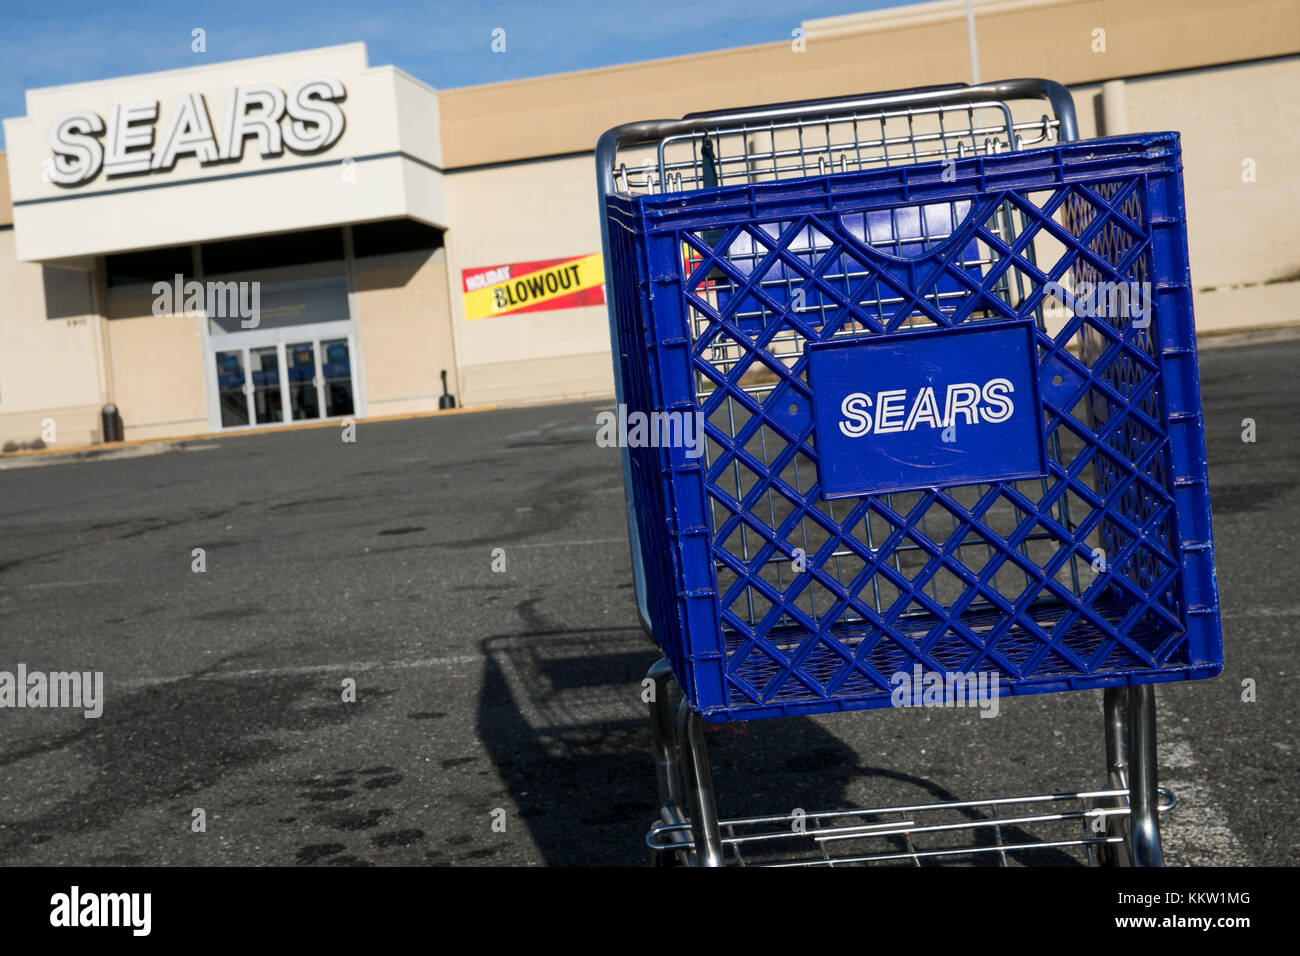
[405, 331]
[49, 360]
[157, 364]
[893, 49]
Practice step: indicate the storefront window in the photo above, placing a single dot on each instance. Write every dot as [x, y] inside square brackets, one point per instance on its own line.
[246, 302]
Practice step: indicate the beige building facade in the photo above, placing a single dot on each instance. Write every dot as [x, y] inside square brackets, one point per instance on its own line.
[306, 237]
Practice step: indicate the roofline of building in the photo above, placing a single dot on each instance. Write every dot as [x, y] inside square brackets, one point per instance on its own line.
[895, 48]
[915, 14]
[206, 67]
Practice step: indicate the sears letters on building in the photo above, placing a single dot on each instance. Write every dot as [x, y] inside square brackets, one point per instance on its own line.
[311, 106]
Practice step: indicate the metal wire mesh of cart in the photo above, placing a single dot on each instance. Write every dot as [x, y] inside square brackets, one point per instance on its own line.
[1005, 831]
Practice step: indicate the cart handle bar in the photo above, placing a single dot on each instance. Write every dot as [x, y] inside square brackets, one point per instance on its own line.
[826, 102]
[957, 94]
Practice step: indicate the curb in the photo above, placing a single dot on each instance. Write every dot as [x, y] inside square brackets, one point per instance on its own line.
[179, 442]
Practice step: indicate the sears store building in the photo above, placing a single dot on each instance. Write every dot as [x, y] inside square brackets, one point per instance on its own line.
[305, 237]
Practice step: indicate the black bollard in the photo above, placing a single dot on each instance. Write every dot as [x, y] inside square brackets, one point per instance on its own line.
[110, 423]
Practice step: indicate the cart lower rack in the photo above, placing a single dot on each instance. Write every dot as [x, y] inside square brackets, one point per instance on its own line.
[917, 835]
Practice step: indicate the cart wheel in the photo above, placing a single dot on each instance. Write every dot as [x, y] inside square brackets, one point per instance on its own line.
[669, 859]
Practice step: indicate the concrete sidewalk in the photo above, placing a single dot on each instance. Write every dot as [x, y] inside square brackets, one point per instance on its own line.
[141, 447]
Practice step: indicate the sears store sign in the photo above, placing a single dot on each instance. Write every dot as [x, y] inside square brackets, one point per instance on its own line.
[135, 139]
[926, 409]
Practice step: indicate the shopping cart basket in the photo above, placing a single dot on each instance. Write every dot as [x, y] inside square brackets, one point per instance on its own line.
[941, 362]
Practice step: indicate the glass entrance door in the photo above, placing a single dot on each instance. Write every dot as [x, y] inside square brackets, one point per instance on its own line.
[232, 387]
[304, 380]
[281, 382]
[268, 401]
[337, 367]
[248, 386]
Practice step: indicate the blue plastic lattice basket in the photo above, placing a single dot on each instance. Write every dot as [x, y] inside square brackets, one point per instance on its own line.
[787, 575]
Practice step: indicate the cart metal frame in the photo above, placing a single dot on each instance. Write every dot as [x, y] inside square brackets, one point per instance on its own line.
[1120, 823]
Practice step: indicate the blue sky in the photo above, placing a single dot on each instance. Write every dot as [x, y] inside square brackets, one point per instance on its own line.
[443, 44]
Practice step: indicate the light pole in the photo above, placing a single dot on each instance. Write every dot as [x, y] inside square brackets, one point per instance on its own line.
[974, 51]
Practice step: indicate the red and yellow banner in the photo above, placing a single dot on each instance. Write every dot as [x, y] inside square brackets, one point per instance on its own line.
[534, 286]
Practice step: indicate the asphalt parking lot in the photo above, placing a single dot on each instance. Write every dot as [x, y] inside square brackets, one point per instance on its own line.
[517, 690]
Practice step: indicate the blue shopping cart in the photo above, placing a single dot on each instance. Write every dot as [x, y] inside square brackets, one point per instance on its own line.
[942, 359]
